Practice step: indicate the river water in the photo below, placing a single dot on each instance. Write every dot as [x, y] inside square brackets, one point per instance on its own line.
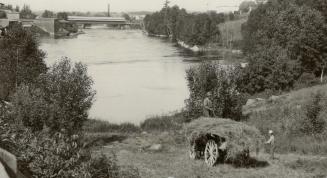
[135, 76]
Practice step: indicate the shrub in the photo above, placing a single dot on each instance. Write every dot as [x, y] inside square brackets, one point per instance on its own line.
[30, 107]
[68, 90]
[306, 80]
[21, 60]
[314, 124]
[222, 82]
[60, 100]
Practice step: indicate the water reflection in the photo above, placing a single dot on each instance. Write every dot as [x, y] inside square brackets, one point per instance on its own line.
[135, 76]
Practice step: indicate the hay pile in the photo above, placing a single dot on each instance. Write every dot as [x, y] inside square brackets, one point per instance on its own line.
[239, 136]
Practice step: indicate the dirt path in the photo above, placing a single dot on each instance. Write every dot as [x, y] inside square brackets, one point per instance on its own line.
[172, 161]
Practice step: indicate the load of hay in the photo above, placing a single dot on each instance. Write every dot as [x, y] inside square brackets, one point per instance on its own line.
[239, 136]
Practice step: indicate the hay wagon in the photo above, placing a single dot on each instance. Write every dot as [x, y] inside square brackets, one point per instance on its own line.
[221, 140]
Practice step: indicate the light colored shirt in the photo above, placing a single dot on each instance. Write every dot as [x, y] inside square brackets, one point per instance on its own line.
[207, 103]
[271, 140]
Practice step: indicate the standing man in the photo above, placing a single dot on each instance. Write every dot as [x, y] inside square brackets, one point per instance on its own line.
[271, 143]
[207, 106]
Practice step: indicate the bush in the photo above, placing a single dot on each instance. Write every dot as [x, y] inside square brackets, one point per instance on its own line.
[60, 100]
[306, 80]
[222, 83]
[57, 155]
[20, 58]
[30, 108]
[314, 123]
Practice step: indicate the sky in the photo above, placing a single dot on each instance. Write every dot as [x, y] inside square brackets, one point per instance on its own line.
[124, 5]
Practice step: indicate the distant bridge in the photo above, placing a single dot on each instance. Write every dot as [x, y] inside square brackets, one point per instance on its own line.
[98, 20]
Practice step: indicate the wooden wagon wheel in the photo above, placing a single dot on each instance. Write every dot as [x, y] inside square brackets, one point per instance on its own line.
[211, 153]
[193, 152]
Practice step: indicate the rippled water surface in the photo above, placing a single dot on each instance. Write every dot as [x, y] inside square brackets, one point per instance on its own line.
[135, 76]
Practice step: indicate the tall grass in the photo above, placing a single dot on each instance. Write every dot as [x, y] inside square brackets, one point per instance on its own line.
[98, 126]
[164, 123]
[288, 118]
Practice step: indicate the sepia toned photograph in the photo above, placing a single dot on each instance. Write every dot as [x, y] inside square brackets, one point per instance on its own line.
[163, 89]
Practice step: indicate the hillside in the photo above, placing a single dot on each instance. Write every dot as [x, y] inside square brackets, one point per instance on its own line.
[158, 154]
[287, 115]
[231, 32]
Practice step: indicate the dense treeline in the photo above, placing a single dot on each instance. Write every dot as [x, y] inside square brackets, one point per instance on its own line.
[285, 41]
[191, 28]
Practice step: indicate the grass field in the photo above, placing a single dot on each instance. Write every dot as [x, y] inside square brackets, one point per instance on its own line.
[299, 155]
[173, 161]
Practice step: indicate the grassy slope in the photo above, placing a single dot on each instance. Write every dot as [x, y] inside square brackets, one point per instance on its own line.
[172, 161]
[286, 115]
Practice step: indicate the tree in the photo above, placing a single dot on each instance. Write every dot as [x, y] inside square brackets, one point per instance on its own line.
[17, 9]
[20, 58]
[48, 14]
[68, 91]
[26, 13]
[9, 7]
[193, 29]
[60, 100]
[127, 17]
[3, 15]
[246, 6]
[297, 29]
[222, 83]
[62, 15]
[314, 123]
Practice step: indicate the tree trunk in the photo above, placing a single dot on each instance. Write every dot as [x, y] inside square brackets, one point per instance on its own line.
[322, 76]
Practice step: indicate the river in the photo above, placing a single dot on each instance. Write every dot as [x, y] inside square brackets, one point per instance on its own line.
[135, 76]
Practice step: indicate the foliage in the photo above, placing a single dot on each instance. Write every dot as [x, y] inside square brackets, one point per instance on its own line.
[60, 100]
[21, 61]
[231, 35]
[222, 82]
[55, 154]
[314, 123]
[30, 108]
[62, 15]
[289, 36]
[193, 29]
[48, 14]
[306, 80]
[246, 6]
[287, 117]
[269, 68]
[3, 15]
[102, 126]
[127, 17]
[26, 13]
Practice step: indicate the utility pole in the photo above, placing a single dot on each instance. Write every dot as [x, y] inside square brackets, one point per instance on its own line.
[108, 10]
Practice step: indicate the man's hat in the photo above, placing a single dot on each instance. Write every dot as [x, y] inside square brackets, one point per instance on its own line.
[271, 132]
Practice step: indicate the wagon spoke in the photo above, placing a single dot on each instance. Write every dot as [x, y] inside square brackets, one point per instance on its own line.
[211, 152]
